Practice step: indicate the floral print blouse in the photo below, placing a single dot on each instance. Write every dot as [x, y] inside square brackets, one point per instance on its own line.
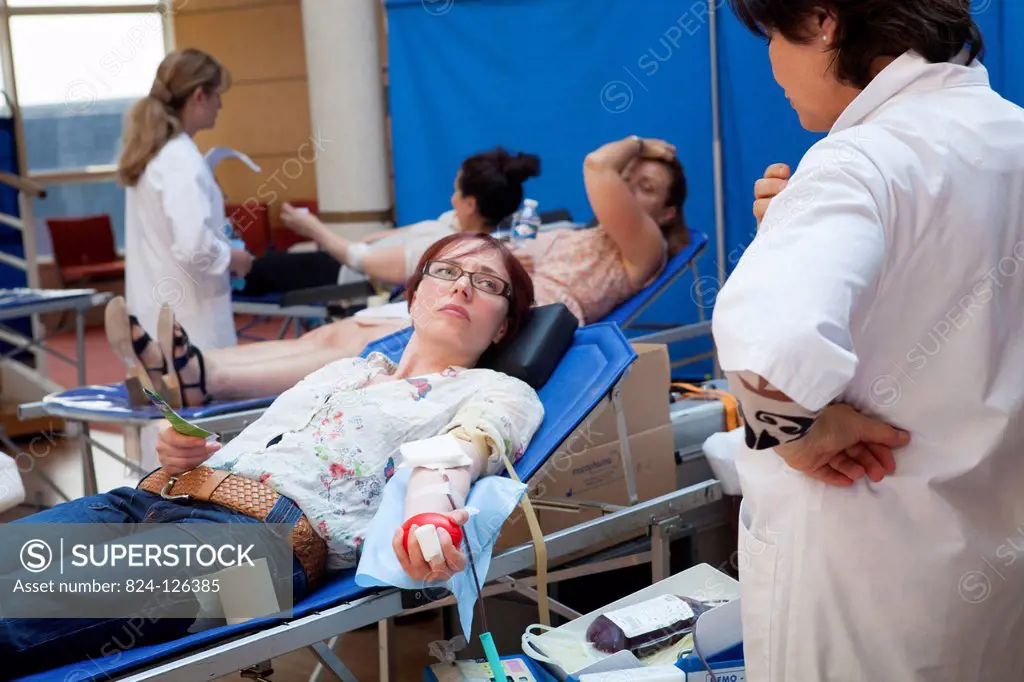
[331, 442]
[581, 268]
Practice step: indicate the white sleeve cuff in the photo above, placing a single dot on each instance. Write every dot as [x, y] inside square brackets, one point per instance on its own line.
[355, 255]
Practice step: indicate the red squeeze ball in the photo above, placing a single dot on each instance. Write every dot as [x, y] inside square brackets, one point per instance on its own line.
[432, 519]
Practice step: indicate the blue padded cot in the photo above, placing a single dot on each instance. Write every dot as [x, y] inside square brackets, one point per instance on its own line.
[596, 360]
[22, 302]
[626, 313]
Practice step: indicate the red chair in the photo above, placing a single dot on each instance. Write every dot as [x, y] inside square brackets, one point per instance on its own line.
[252, 223]
[284, 238]
[84, 251]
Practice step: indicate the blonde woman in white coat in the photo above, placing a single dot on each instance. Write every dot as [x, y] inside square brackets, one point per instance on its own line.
[882, 290]
[177, 253]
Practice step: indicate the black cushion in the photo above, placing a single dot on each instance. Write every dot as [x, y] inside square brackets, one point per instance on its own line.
[538, 348]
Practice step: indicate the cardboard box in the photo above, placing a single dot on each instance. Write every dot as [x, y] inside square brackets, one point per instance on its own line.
[644, 398]
[588, 465]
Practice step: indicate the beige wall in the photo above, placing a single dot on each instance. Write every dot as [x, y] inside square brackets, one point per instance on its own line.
[266, 111]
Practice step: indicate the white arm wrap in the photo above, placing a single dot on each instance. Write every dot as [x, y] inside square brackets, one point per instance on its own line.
[355, 254]
[439, 452]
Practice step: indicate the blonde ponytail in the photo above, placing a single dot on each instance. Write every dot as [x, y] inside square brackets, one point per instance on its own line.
[156, 119]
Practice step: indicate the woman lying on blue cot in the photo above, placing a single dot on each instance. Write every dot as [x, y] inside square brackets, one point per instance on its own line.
[637, 189]
[488, 187]
[327, 447]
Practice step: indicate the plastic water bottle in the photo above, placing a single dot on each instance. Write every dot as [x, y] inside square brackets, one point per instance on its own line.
[526, 222]
[237, 283]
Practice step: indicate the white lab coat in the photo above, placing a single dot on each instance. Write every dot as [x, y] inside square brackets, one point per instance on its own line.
[176, 250]
[890, 275]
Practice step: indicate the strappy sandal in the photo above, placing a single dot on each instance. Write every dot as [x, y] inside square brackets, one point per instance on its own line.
[172, 337]
[120, 328]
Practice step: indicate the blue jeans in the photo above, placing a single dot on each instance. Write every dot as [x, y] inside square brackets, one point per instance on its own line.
[36, 644]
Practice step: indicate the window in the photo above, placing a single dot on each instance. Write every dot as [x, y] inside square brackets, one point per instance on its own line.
[78, 3]
[79, 65]
[77, 75]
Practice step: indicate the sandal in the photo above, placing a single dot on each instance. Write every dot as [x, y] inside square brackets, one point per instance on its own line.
[121, 328]
[178, 351]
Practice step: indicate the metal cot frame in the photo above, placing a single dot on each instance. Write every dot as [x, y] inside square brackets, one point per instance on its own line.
[666, 518]
[39, 302]
[304, 304]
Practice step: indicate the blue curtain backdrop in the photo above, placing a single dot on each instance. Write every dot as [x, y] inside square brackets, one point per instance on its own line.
[760, 128]
[560, 77]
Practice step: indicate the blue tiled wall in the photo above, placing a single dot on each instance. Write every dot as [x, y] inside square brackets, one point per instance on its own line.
[59, 138]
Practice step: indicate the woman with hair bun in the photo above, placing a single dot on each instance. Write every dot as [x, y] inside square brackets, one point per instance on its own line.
[488, 188]
[636, 187]
[879, 293]
[177, 253]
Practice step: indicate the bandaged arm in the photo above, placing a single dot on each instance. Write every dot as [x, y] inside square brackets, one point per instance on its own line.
[437, 459]
[782, 321]
[385, 263]
[498, 421]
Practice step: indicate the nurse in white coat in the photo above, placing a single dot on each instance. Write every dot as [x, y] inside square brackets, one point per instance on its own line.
[177, 253]
[885, 288]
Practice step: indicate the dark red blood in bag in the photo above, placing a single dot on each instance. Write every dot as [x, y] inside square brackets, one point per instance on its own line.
[656, 623]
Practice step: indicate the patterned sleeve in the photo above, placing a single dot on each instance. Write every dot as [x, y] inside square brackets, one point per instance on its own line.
[505, 412]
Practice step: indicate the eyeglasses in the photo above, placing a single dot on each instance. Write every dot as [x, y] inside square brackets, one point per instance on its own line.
[484, 281]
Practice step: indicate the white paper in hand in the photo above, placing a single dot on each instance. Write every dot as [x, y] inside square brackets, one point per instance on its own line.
[218, 154]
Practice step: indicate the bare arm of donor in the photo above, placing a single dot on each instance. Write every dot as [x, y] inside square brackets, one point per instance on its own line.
[444, 468]
[434, 460]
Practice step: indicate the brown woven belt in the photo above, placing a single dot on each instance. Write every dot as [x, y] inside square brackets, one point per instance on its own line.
[246, 496]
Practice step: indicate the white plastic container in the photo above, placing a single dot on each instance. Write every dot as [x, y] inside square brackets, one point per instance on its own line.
[12, 491]
[721, 451]
[658, 673]
[566, 653]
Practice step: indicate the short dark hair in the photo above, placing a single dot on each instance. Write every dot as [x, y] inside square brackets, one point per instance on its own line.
[495, 179]
[522, 298]
[938, 30]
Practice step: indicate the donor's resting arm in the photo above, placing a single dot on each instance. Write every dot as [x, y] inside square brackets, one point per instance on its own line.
[497, 423]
